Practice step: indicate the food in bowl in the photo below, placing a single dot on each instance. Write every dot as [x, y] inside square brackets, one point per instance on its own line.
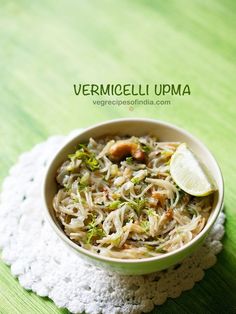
[117, 197]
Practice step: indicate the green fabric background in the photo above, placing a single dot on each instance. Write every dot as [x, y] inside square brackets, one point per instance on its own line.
[47, 46]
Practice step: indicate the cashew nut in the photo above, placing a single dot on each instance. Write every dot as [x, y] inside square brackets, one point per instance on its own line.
[123, 148]
[160, 197]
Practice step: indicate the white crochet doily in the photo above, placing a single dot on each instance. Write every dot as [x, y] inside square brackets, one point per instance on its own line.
[43, 263]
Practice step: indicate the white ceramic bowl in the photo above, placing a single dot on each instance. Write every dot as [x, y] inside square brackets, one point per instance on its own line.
[165, 132]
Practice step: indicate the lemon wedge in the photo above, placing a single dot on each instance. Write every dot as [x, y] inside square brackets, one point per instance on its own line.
[188, 173]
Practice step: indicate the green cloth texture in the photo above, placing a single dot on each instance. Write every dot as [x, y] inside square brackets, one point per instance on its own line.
[47, 46]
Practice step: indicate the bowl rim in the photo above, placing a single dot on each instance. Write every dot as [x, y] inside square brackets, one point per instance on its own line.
[113, 260]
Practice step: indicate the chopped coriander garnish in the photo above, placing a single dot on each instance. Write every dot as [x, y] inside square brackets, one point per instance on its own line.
[80, 146]
[92, 163]
[85, 179]
[79, 154]
[135, 180]
[138, 205]
[88, 158]
[129, 160]
[116, 241]
[145, 148]
[114, 205]
[67, 188]
[150, 247]
[75, 200]
[150, 212]
[82, 186]
[145, 225]
[94, 232]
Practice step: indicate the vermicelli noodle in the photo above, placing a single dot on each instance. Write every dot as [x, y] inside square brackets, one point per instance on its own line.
[116, 197]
